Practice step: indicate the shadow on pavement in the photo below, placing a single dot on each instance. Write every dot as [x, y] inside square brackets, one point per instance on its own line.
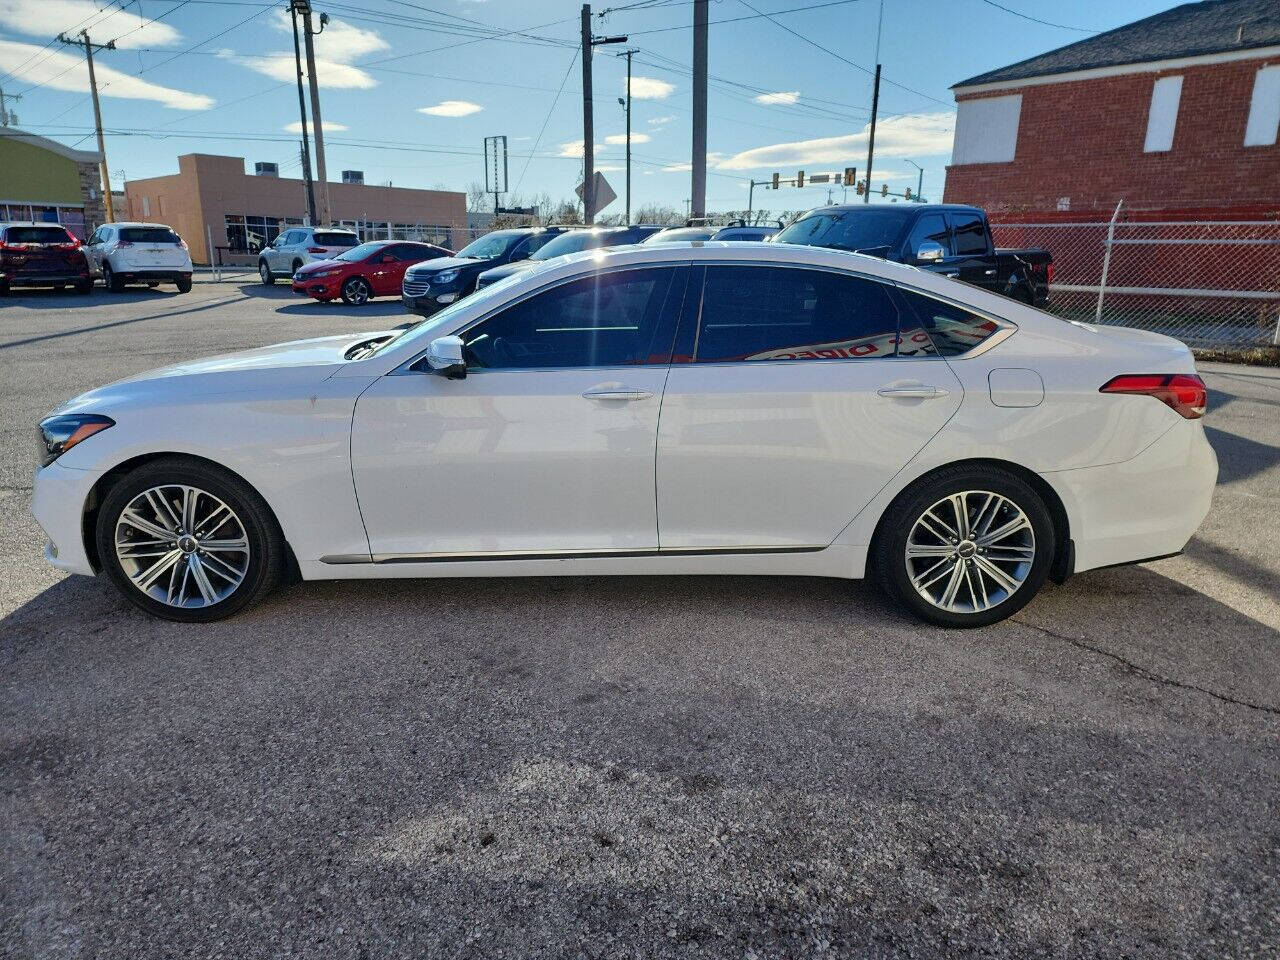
[160, 299]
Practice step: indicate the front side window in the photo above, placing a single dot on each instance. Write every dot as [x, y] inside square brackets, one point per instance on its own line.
[785, 313]
[932, 226]
[971, 234]
[943, 328]
[597, 321]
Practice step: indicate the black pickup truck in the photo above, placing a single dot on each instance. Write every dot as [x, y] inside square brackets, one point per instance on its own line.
[944, 238]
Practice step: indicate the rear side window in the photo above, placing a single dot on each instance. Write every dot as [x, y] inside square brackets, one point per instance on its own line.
[971, 234]
[37, 235]
[148, 235]
[597, 321]
[784, 313]
[326, 239]
[942, 328]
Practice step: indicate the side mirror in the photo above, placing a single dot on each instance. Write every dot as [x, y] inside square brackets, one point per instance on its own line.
[444, 356]
[930, 251]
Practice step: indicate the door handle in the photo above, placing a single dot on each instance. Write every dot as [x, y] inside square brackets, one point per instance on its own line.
[912, 392]
[989, 273]
[616, 393]
[951, 273]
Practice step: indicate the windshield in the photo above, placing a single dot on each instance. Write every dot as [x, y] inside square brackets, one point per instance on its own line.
[425, 329]
[573, 242]
[846, 229]
[490, 246]
[356, 254]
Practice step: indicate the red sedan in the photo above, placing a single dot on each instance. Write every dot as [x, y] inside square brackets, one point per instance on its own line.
[373, 269]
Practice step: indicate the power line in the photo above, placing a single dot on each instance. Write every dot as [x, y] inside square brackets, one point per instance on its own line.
[754, 16]
[547, 119]
[1047, 23]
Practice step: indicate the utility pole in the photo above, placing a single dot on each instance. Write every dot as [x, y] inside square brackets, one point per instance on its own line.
[588, 123]
[8, 117]
[89, 47]
[589, 43]
[302, 112]
[871, 142]
[698, 191]
[304, 7]
[628, 54]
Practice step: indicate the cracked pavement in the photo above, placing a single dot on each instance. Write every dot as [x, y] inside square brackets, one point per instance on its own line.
[644, 767]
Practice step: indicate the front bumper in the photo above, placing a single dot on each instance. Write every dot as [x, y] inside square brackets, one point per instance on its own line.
[58, 501]
[429, 302]
[322, 288]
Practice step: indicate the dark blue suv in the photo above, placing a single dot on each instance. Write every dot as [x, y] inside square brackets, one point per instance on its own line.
[575, 241]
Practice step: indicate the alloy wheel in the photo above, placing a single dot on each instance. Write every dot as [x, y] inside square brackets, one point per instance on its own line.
[264, 272]
[970, 551]
[182, 546]
[355, 291]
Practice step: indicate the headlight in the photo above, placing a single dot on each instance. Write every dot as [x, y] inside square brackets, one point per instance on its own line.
[59, 434]
[446, 276]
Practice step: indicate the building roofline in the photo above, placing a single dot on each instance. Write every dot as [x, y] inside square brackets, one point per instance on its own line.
[1122, 69]
[35, 140]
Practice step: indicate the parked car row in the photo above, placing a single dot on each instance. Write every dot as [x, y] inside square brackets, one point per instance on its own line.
[49, 255]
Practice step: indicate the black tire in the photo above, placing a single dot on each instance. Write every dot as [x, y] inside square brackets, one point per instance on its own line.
[264, 273]
[297, 265]
[184, 284]
[4, 288]
[266, 562]
[356, 291]
[110, 280]
[84, 287]
[892, 565]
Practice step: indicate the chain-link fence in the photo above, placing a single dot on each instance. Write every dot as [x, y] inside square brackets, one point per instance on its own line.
[1208, 283]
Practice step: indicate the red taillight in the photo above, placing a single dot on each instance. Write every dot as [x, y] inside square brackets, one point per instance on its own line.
[1183, 393]
[13, 246]
[1048, 272]
[315, 250]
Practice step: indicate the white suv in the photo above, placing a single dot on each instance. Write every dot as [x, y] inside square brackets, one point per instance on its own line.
[149, 253]
[302, 245]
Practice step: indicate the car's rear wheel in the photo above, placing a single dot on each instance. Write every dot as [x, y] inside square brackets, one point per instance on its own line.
[184, 284]
[187, 541]
[84, 287]
[110, 280]
[967, 547]
[264, 271]
[355, 291]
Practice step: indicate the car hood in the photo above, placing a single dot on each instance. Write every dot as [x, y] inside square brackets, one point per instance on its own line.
[444, 263]
[316, 265]
[507, 269]
[279, 366]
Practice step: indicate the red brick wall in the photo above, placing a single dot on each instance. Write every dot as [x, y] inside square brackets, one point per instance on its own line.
[1083, 139]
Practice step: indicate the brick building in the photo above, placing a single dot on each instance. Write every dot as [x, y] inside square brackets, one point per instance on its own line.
[211, 197]
[1176, 115]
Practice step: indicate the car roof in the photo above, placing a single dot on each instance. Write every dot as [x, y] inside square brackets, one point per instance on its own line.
[136, 223]
[896, 208]
[30, 223]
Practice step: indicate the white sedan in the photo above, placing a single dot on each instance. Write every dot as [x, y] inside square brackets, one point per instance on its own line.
[706, 408]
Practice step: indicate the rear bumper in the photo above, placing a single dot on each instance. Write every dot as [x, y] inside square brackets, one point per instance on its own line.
[18, 279]
[1144, 508]
[161, 274]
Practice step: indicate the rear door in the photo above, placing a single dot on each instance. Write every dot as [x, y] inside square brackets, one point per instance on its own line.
[975, 260]
[787, 409]
[151, 248]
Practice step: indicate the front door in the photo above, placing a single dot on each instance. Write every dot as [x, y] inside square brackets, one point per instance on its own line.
[546, 447]
[793, 409]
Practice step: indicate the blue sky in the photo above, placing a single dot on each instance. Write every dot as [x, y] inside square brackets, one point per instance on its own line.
[409, 90]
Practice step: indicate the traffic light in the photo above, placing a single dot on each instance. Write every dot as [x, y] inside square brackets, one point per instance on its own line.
[884, 189]
[862, 187]
[800, 179]
[850, 176]
[775, 181]
[906, 195]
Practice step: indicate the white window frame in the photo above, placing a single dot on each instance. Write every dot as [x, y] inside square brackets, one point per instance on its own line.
[1162, 116]
[1264, 108]
[987, 130]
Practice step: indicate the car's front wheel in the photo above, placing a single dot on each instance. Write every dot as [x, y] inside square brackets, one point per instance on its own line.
[264, 271]
[187, 541]
[356, 291]
[967, 547]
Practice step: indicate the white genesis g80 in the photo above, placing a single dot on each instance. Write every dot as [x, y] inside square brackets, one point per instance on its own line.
[707, 408]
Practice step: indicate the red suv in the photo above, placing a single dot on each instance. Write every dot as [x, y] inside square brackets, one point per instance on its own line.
[43, 255]
[373, 269]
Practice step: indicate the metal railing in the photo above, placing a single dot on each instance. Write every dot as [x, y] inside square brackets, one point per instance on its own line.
[1210, 283]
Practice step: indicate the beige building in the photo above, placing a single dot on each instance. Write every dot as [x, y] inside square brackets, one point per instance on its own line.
[212, 196]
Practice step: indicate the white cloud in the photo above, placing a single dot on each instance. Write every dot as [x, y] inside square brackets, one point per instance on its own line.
[620, 139]
[452, 108]
[910, 135]
[648, 88]
[659, 121]
[57, 70]
[336, 47]
[45, 18]
[330, 126]
[781, 97]
[572, 148]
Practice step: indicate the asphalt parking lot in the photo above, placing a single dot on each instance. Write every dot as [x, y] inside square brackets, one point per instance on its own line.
[727, 767]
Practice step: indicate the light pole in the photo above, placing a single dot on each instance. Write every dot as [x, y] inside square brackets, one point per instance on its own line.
[919, 179]
[628, 54]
